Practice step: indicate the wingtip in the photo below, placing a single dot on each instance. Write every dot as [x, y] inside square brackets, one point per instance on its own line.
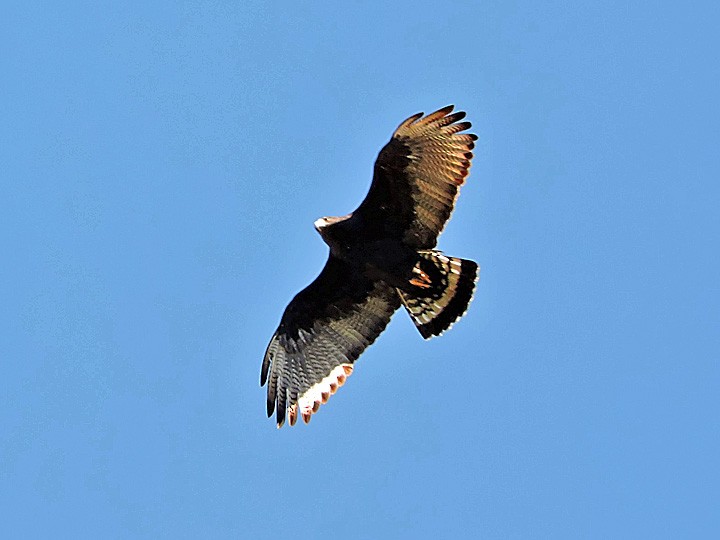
[444, 116]
[437, 115]
[410, 120]
[280, 416]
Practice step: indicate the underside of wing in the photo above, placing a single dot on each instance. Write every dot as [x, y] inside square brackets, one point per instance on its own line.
[418, 175]
[323, 331]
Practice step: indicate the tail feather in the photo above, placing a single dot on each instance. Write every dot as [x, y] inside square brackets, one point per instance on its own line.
[442, 290]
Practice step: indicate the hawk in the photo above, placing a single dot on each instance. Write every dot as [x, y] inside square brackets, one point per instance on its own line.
[382, 256]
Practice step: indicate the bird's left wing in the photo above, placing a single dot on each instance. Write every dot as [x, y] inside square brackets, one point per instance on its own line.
[417, 177]
[322, 332]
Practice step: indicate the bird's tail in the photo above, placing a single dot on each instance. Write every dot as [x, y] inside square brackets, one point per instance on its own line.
[442, 288]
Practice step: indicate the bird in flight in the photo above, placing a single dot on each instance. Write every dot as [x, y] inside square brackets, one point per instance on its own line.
[382, 256]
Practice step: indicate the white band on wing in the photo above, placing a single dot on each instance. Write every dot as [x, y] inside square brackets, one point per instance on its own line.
[309, 402]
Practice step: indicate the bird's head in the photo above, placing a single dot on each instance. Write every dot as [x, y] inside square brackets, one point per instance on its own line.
[322, 224]
[331, 230]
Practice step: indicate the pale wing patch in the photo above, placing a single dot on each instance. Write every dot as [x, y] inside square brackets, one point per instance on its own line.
[309, 402]
[439, 161]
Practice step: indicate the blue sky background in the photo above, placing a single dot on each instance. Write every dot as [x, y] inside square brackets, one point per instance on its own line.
[162, 164]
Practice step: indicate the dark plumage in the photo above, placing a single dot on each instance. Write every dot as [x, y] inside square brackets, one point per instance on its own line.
[381, 256]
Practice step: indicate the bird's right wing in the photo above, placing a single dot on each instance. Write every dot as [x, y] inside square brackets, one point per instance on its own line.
[322, 332]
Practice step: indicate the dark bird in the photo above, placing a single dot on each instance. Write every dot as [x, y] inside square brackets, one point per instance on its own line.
[381, 256]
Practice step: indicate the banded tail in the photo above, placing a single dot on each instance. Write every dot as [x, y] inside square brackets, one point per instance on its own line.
[442, 289]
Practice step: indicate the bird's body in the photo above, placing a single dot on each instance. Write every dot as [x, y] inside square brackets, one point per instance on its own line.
[381, 256]
[376, 256]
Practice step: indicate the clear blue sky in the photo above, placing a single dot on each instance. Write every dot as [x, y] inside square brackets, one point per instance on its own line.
[162, 164]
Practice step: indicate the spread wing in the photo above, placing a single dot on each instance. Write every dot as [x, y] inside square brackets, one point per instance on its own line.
[417, 177]
[321, 334]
